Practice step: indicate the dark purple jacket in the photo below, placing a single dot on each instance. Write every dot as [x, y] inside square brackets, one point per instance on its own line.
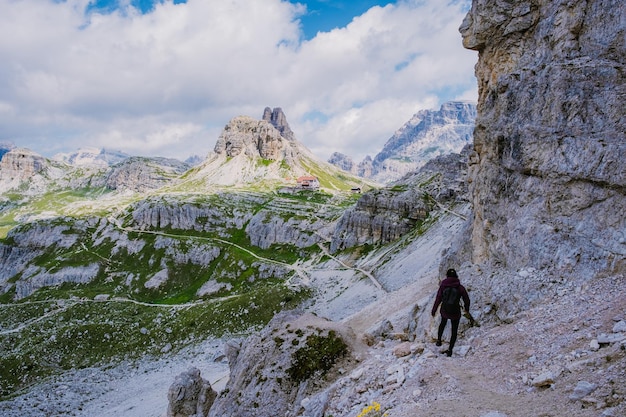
[451, 282]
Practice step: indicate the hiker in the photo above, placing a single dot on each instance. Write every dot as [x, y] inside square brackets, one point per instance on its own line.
[449, 294]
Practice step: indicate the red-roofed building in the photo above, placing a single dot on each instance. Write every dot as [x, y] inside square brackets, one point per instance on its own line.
[308, 182]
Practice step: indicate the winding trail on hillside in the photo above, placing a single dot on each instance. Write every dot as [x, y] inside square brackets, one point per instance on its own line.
[28, 323]
[298, 270]
[301, 272]
[368, 274]
[70, 303]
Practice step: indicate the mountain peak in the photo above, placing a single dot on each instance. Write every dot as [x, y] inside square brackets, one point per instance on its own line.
[278, 119]
[254, 153]
[428, 134]
[92, 157]
[254, 138]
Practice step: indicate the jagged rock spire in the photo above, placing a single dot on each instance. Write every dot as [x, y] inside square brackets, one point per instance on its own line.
[278, 119]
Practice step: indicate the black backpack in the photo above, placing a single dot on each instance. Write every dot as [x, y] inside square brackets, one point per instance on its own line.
[450, 300]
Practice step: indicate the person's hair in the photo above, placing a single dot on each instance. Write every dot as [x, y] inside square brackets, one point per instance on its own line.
[451, 273]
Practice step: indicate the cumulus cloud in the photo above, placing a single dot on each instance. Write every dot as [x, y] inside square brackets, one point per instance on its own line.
[165, 83]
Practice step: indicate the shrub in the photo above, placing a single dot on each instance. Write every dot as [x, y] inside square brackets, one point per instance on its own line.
[318, 355]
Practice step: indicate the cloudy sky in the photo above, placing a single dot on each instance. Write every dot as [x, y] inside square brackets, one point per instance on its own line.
[162, 78]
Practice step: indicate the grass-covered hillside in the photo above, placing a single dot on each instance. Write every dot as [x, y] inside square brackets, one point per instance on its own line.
[91, 277]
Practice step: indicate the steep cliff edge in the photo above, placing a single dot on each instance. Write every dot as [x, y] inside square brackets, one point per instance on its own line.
[550, 138]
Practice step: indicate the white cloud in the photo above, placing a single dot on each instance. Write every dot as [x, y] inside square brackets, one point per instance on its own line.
[166, 83]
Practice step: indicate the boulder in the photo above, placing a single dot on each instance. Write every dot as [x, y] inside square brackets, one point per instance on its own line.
[190, 395]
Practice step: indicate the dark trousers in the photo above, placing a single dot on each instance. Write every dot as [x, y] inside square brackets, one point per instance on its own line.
[455, 330]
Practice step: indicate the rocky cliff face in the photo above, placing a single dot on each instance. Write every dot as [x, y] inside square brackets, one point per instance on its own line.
[143, 174]
[21, 164]
[277, 371]
[386, 214]
[27, 171]
[278, 119]
[254, 138]
[548, 175]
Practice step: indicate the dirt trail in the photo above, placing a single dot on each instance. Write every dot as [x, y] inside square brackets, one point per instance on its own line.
[496, 373]
[387, 307]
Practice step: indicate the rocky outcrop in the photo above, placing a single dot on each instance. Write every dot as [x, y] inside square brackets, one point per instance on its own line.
[343, 161]
[278, 119]
[28, 243]
[13, 260]
[157, 213]
[268, 227]
[386, 214]
[190, 395]
[21, 164]
[254, 138]
[34, 278]
[548, 178]
[429, 133]
[144, 174]
[278, 371]
[276, 222]
[263, 154]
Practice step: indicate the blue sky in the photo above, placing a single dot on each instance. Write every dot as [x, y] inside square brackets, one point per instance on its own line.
[320, 16]
[163, 78]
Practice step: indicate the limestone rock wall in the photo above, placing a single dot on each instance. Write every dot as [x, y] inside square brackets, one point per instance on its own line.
[144, 174]
[548, 178]
[278, 119]
[21, 164]
[427, 135]
[386, 214]
[254, 138]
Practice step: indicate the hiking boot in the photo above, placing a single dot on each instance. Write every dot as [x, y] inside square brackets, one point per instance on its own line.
[448, 352]
[438, 343]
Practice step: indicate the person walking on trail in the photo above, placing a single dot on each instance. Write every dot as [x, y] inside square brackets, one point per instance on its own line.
[449, 294]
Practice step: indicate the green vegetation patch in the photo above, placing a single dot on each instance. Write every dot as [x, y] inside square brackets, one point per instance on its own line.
[78, 333]
[399, 188]
[317, 357]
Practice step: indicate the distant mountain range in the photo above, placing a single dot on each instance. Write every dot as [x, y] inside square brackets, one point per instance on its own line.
[102, 158]
[250, 153]
[92, 157]
[428, 134]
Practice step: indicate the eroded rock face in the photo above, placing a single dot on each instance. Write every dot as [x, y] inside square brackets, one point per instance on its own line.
[548, 177]
[254, 138]
[190, 395]
[386, 214]
[427, 135]
[275, 371]
[143, 174]
[21, 164]
[278, 119]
